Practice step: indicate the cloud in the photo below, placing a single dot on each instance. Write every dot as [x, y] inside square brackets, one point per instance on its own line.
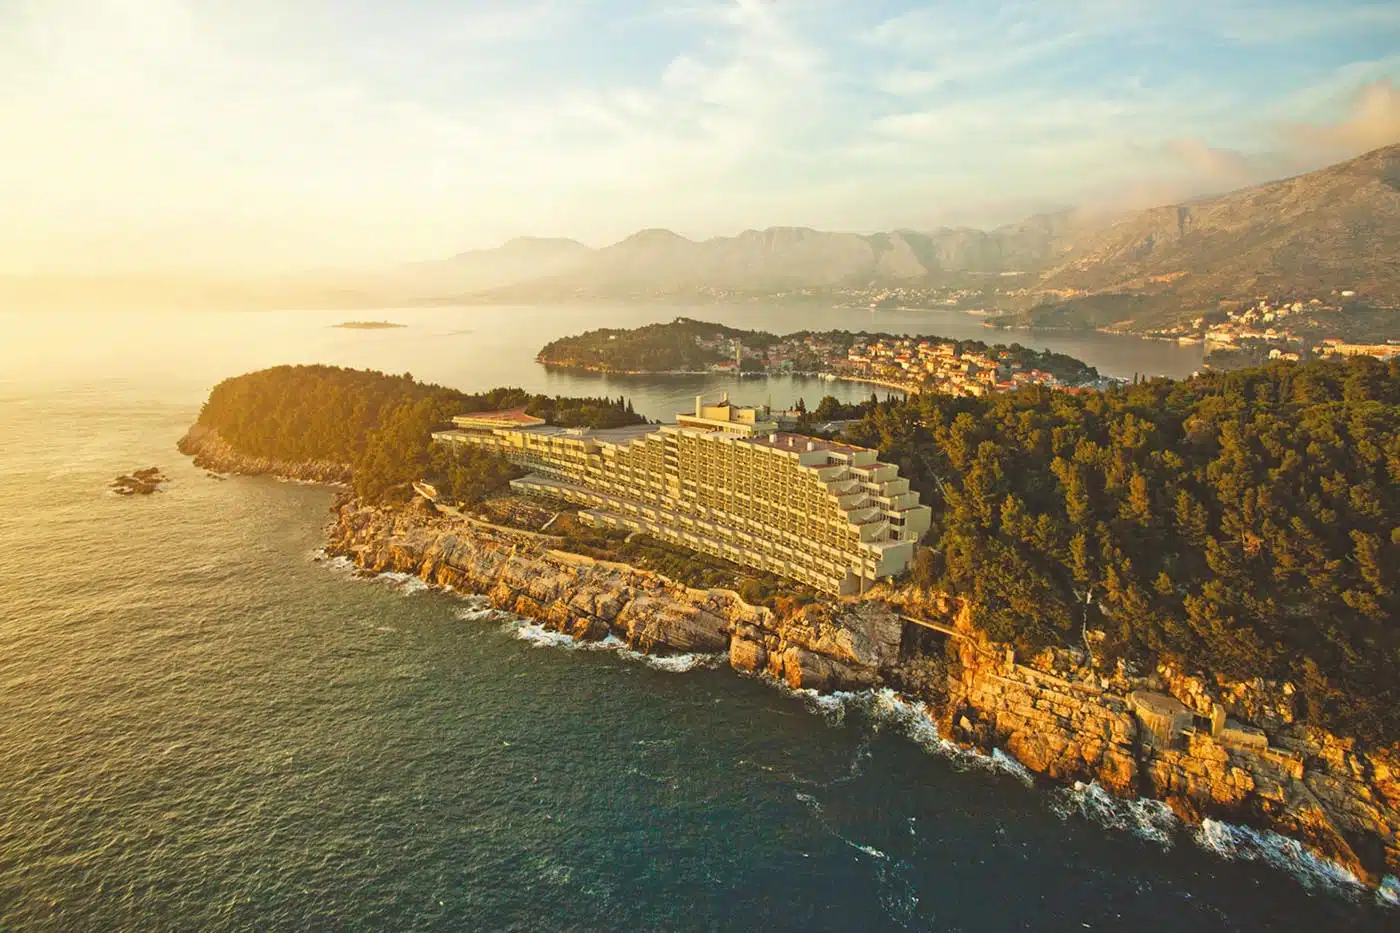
[1373, 121]
[299, 132]
[1183, 168]
[1266, 22]
[1214, 166]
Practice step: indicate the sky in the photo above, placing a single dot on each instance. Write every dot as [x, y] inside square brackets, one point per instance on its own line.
[279, 135]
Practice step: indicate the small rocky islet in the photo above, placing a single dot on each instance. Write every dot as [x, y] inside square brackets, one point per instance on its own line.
[139, 482]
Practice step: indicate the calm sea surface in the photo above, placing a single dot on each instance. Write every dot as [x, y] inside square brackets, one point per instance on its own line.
[206, 728]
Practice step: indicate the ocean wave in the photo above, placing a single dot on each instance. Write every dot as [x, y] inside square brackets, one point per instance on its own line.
[1389, 891]
[538, 635]
[408, 584]
[1151, 820]
[1243, 843]
[672, 663]
[868, 850]
[887, 708]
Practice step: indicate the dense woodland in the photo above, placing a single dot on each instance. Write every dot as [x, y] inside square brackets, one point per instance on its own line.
[652, 348]
[380, 424]
[1246, 523]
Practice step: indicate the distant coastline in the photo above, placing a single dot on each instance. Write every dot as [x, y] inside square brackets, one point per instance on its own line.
[368, 325]
[904, 364]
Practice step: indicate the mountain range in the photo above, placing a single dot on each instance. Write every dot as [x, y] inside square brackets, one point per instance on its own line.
[1313, 235]
[657, 261]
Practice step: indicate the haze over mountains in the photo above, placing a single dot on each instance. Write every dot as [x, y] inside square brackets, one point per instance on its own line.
[1311, 235]
[757, 261]
[1337, 228]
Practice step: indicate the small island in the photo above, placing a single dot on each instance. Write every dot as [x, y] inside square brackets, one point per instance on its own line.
[139, 482]
[910, 364]
[368, 325]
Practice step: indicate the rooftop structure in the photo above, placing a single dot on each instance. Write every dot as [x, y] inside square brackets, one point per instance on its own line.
[727, 418]
[511, 417]
[724, 482]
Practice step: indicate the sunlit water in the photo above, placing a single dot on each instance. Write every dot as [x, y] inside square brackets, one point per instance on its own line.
[205, 728]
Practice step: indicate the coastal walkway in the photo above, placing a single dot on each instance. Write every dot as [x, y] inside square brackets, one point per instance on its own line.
[934, 626]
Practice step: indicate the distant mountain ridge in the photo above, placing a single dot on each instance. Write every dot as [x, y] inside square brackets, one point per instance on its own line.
[777, 258]
[1334, 229]
[1324, 233]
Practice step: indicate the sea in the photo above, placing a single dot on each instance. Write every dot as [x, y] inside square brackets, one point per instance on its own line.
[205, 725]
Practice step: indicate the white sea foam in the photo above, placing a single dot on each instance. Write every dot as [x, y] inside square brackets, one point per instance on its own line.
[538, 635]
[885, 707]
[1288, 855]
[673, 663]
[868, 850]
[414, 586]
[1147, 819]
[408, 584]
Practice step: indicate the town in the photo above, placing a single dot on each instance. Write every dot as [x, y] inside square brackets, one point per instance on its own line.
[909, 364]
[1249, 333]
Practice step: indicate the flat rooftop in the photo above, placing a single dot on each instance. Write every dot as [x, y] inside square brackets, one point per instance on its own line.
[783, 440]
[780, 440]
[623, 435]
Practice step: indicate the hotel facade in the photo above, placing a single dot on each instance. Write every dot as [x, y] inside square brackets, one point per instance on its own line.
[724, 480]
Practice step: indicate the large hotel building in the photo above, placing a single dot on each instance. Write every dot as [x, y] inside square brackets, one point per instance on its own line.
[724, 480]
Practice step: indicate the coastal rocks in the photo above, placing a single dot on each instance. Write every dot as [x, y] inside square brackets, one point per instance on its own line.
[822, 646]
[1052, 725]
[1060, 718]
[1161, 735]
[650, 624]
[1267, 703]
[211, 452]
[139, 483]
[746, 651]
[801, 669]
[833, 646]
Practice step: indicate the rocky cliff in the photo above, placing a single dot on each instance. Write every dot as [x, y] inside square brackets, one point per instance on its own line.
[1211, 750]
[212, 452]
[1226, 751]
[823, 647]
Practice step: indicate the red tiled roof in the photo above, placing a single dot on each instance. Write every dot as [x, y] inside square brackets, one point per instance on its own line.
[515, 416]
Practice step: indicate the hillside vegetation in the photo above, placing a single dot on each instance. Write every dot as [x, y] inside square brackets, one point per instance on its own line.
[380, 424]
[687, 345]
[1246, 524]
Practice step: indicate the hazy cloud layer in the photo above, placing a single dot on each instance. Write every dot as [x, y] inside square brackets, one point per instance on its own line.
[296, 133]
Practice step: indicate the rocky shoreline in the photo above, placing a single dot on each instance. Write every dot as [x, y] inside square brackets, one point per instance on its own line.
[1232, 752]
[1135, 736]
[211, 452]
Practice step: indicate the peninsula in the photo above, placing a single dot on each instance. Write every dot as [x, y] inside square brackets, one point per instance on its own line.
[910, 364]
[1180, 590]
[368, 325]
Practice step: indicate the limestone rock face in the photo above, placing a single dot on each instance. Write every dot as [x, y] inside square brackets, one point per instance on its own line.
[747, 655]
[653, 624]
[1061, 719]
[1230, 751]
[806, 670]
